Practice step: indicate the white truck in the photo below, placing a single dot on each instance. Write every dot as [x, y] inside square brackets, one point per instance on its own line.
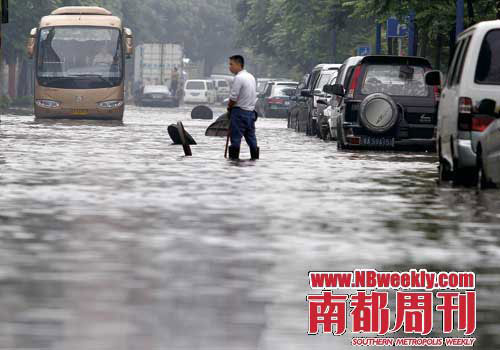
[154, 64]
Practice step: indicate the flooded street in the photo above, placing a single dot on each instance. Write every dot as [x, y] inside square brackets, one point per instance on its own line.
[111, 239]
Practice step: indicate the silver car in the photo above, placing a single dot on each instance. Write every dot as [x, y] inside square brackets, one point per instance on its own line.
[488, 148]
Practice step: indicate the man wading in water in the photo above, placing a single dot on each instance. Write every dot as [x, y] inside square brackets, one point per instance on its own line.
[241, 109]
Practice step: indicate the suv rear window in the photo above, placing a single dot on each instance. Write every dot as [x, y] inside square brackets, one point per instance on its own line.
[395, 80]
[195, 85]
[325, 79]
[488, 64]
[284, 90]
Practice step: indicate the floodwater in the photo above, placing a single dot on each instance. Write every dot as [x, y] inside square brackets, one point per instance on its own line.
[111, 239]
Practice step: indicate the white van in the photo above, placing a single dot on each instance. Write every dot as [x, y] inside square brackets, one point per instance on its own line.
[223, 89]
[474, 76]
[200, 91]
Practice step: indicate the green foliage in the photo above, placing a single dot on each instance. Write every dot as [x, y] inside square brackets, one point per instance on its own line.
[299, 33]
[22, 101]
[4, 103]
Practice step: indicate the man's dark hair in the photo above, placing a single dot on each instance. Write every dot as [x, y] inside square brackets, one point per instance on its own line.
[238, 59]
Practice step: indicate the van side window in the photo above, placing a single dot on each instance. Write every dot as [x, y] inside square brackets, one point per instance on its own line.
[451, 71]
[488, 64]
[460, 63]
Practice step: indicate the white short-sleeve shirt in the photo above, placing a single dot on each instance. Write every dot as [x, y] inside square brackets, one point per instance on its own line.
[244, 91]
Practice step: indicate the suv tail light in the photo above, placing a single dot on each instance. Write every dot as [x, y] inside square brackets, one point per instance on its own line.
[465, 105]
[481, 122]
[354, 81]
[467, 121]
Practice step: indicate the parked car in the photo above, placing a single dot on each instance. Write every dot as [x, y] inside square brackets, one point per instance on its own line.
[199, 91]
[223, 89]
[333, 111]
[274, 102]
[262, 83]
[158, 95]
[473, 76]
[488, 147]
[295, 105]
[319, 76]
[324, 111]
[387, 104]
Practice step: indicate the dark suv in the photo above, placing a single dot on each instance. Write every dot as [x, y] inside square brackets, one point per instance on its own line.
[387, 104]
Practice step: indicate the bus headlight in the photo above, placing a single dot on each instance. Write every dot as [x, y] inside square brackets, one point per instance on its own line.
[110, 104]
[47, 103]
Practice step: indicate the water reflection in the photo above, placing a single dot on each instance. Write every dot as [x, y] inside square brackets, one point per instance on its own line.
[110, 238]
[77, 122]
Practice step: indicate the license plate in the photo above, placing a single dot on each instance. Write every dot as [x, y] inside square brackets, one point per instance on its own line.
[377, 141]
[80, 112]
[195, 94]
[157, 96]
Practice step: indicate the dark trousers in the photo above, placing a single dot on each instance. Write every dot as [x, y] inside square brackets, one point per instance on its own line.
[173, 86]
[243, 125]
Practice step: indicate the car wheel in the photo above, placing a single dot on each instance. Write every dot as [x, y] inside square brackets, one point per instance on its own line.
[340, 136]
[333, 133]
[314, 127]
[325, 130]
[311, 127]
[319, 131]
[482, 179]
[462, 176]
[443, 167]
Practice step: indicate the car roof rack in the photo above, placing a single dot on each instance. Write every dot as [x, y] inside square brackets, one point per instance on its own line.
[81, 10]
[409, 60]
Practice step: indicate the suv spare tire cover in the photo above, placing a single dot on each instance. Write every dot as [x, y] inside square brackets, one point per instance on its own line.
[378, 113]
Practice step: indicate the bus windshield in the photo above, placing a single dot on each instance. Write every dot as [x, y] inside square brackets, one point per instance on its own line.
[80, 57]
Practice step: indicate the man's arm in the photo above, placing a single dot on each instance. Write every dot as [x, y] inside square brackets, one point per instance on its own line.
[235, 93]
[231, 104]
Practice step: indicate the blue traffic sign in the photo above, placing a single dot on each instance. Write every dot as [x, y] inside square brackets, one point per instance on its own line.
[396, 29]
[363, 50]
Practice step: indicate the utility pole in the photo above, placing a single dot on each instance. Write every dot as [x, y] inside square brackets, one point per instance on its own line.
[378, 40]
[4, 18]
[460, 18]
[412, 43]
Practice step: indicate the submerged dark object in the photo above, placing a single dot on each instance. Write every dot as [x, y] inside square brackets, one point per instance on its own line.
[184, 140]
[220, 127]
[173, 132]
[202, 112]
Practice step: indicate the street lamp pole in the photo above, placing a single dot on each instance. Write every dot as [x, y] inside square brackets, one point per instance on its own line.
[378, 41]
[4, 19]
[460, 18]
